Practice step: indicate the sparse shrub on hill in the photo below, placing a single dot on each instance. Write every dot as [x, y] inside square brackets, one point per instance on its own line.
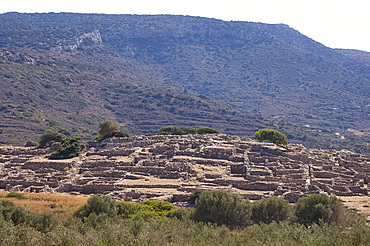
[69, 148]
[17, 195]
[276, 137]
[176, 130]
[109, 128]
[30, 143]
[50, 136]
[271, 209]
[223, 208]
[184, 130]
[205, 130]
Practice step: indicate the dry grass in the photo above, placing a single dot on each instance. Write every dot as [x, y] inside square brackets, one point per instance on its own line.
[360, 203]
[61, 206]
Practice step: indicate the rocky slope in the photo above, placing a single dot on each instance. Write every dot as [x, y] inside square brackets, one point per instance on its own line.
[171, 167]
[70, 71]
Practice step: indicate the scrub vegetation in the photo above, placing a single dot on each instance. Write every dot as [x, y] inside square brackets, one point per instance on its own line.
[271, 221]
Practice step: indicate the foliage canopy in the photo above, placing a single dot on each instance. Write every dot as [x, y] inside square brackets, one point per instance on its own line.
[109, 128]
[320, 208]
[69, 148]
[223, 208]
[50, 136]
[276, 137]
[271, 209]
[98, 204]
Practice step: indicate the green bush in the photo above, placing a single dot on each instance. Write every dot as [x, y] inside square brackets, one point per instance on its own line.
[271, 209]
[30, 143]
[176, 130]
[159, 207]
[98, 204]
[276, 137]
[181, 213]
[223, 208]
[128, 209]
[69, 148]
[17, 195]
[194, 196]
[205, 130]
[320, 208]
[50, 136]
[109, 128]
[146, 209]
[18, 216]
[184, 130]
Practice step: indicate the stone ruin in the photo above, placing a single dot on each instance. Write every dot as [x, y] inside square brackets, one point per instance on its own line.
[171, 167]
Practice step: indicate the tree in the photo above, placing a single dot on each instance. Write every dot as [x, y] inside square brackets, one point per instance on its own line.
[270, 209]
[223, 208]
[318, 208]
[50, 136]
[69, 148]
[98, 204]
[276, 137]
[109, 128]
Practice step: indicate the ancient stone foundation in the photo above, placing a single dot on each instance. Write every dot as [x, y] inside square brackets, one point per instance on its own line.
[170, 167]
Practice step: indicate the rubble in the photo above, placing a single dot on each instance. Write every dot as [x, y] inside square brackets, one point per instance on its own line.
[170, 167]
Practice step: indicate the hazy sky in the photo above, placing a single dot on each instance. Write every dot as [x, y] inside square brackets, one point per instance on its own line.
[334, 23]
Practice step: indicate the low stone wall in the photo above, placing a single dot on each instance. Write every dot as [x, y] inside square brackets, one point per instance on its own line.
[185, 163]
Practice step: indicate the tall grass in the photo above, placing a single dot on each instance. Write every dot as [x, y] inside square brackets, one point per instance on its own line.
[61, 206]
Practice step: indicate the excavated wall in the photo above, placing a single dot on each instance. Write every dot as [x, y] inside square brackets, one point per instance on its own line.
[170, 167]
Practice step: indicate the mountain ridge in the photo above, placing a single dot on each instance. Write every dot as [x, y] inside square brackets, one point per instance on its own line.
[267, 70]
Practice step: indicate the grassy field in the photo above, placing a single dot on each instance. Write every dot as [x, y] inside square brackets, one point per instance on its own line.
[61, 206]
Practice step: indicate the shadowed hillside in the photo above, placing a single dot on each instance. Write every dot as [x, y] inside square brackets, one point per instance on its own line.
[70, 71]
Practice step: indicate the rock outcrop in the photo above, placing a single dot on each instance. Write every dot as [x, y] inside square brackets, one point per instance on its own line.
[170, 167]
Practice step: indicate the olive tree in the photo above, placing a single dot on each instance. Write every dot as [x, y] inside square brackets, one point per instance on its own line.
[109, 128]
[276, 137]
[50, 136]
[271, 209]
[320, 208]
[223, 208]
[98, 204]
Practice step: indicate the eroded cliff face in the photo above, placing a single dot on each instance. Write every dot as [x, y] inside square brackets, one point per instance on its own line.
[171, 167]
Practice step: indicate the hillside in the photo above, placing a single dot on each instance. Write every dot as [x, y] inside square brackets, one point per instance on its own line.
[75, 98]
[70, 71]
